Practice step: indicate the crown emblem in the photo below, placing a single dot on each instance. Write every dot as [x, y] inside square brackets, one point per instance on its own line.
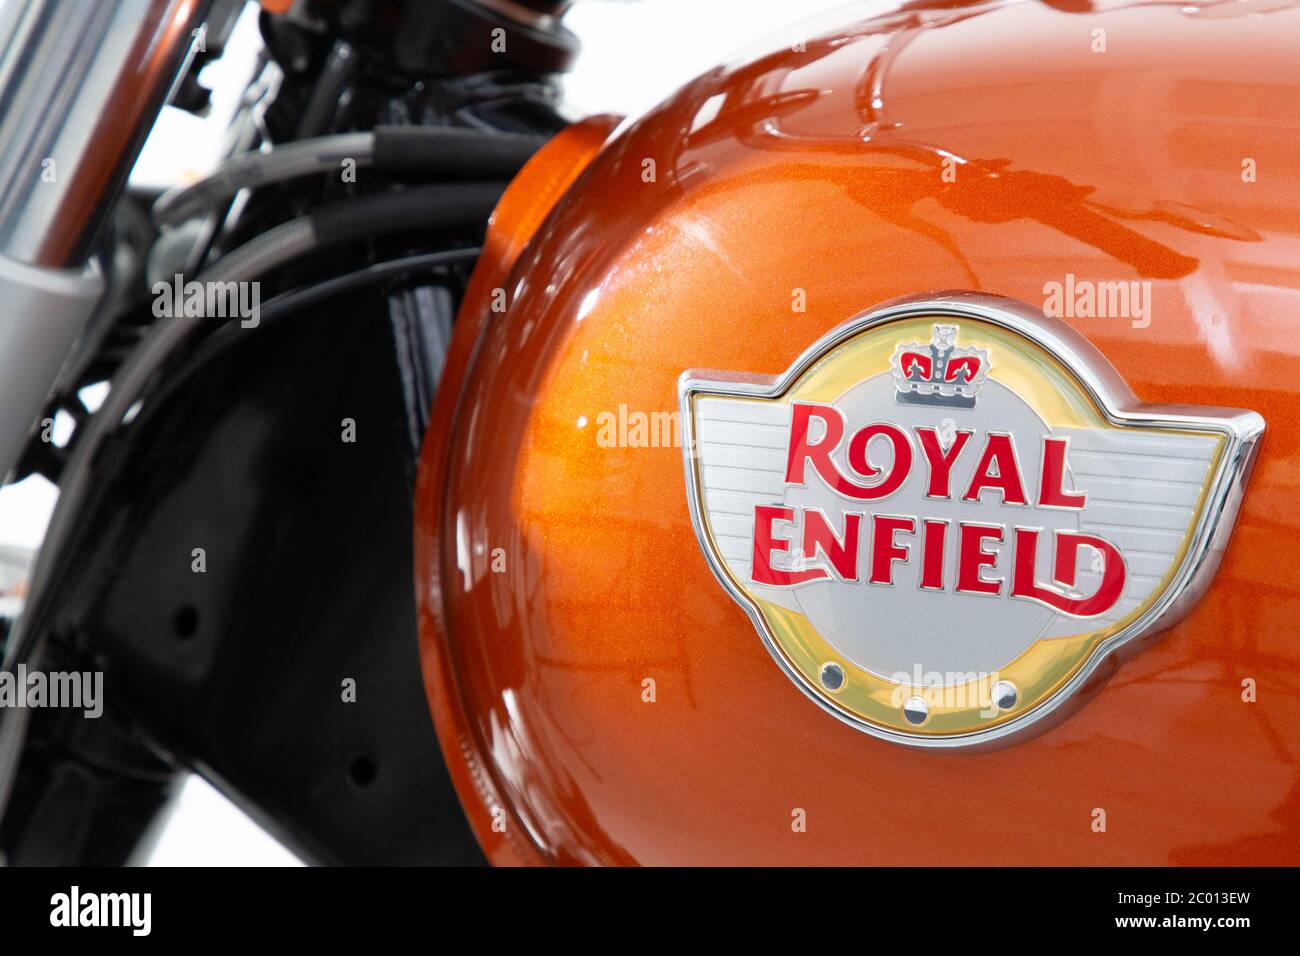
[940, 373]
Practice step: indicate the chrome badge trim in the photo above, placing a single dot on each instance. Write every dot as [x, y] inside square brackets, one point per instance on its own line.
[1008, 710]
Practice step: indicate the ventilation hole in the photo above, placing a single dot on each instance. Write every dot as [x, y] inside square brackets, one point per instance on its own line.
[362, 771]
[185, 622]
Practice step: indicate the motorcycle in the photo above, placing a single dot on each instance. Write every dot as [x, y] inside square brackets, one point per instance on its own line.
[887, 436]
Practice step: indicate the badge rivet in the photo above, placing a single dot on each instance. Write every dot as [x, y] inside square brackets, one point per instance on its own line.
[1004, 695]
[832, 676]
[915, 710]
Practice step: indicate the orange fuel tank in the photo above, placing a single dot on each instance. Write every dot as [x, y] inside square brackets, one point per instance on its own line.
[600, 697]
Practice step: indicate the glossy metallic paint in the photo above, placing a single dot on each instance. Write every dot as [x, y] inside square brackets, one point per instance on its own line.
[821, 170]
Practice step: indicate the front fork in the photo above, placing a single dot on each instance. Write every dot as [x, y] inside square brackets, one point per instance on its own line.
[80, 87]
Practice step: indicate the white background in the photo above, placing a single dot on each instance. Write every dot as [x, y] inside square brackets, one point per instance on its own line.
[634, 54]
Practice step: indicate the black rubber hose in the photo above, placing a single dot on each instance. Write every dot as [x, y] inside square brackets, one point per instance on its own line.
[439, 206]
[429, 152]
[452, 152]
[436, 207]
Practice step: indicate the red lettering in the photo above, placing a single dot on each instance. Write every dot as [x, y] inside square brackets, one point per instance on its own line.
[1006, 478]
[766, 542]
[837, 555]
[941, 462]
[1068, 544]
[898, 472]
[803, 451]
[936, 534]
[842, 554]
[1051, 490]
[884, 549]
[972, 559]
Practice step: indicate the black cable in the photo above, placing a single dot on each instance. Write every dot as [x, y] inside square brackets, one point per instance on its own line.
[452, 152]
[440, 206]
[285, 305]
[288, 302]
[432, 152]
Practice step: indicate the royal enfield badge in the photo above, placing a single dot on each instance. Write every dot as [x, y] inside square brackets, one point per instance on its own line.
[948, 512]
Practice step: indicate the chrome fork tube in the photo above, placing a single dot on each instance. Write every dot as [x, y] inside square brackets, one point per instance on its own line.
[81, 82]
[80, 85]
